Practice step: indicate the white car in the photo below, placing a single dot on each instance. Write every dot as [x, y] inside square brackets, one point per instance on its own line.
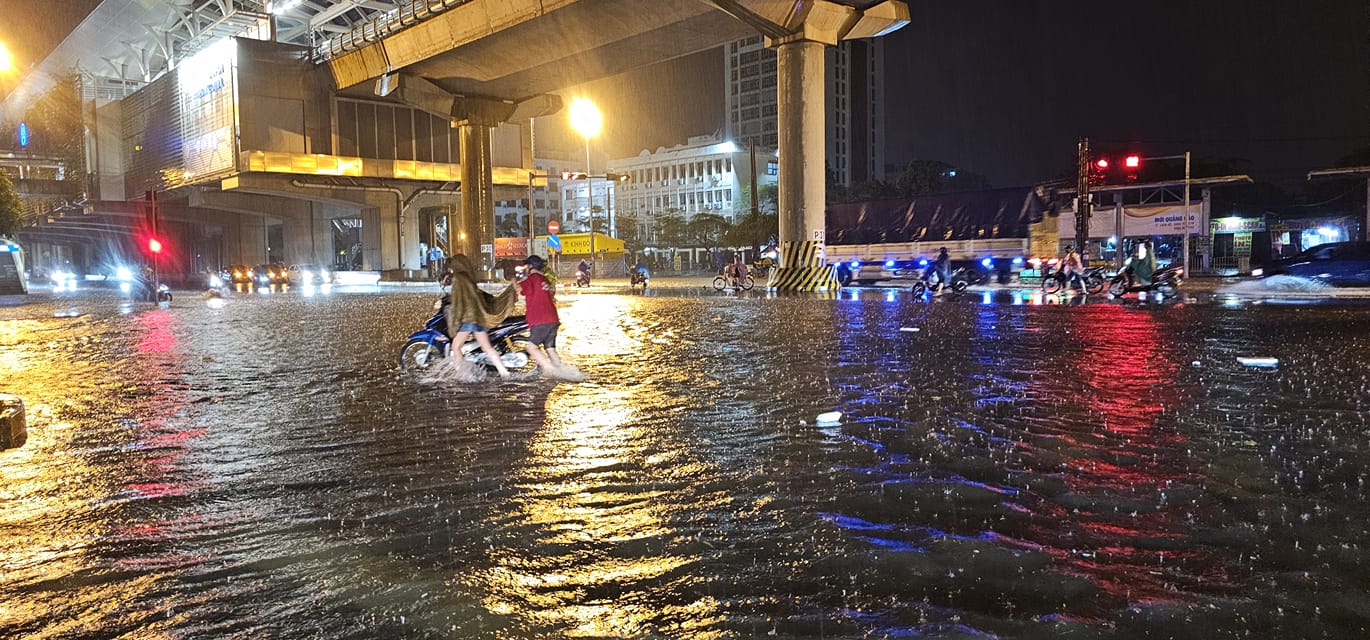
[308, 274]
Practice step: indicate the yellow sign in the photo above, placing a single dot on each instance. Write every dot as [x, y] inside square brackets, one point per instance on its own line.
[579, 244]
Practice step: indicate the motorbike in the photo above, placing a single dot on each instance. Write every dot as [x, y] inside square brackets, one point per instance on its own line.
[639, 278]
[959, 282]
[582, 278]
[1056, 280]
[427, 346]
[1165, 281]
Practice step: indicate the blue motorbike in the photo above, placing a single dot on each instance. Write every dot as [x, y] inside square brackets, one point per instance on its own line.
[430, 344]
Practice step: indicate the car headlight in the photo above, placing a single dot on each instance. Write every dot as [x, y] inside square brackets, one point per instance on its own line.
[305, 275]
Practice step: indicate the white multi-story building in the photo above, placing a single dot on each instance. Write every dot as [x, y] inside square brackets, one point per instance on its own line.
[855, 103]
[704, 175]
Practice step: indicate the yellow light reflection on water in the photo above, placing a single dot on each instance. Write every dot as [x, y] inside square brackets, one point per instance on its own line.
[600, 501]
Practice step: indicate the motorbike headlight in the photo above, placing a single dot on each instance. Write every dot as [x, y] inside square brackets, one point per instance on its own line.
[1258, 272]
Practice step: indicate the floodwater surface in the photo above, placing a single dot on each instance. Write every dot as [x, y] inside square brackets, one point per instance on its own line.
[257, 467]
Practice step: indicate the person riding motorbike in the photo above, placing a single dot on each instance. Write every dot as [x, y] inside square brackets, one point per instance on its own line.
[583, 272]
[1141, 266]
[940, 267]
[1073, 269]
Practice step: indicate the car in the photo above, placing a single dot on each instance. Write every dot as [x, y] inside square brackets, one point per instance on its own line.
[1336, 263]
[240, 274]
[269, 274]
[308, 274]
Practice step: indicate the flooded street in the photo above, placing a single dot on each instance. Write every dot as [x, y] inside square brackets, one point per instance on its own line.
[258, 467]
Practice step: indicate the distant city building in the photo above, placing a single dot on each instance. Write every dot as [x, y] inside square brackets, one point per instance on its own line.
[855, 104]
[706, 175]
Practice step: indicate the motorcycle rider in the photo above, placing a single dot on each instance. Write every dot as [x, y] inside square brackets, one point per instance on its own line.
[641, 270]
[739, 269]
[941, 267]
[583, 270]
[1142, 265]
[1073, 269]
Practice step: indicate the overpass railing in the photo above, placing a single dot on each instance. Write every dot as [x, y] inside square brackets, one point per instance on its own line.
[407, 14]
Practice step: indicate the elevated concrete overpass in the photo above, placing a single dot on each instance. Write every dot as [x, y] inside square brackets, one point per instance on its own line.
[486, 61]
[296, 150]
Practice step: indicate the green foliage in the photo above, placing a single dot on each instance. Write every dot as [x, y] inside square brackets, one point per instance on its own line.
[11, 210]
[56, 126]
[768, 201]
[707, 229]
[753, 231]
[671, 228]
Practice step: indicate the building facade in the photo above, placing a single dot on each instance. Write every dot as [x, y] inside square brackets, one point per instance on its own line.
[854, 95]
[705, 175]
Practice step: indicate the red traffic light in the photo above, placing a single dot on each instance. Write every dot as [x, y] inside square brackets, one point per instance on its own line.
[1101, 163]
[154, 245]
[1132, 162]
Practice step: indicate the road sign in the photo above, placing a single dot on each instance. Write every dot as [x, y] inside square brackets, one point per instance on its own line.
[553, 227]
[554, 243]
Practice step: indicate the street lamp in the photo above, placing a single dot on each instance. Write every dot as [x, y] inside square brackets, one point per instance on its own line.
[6, 63]
[585, 119]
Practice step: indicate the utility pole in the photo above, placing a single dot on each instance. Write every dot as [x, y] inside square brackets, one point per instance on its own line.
[1082, 204]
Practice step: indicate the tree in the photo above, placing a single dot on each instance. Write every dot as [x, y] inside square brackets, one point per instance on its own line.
[768, 200]
[671, 227]
[708, 229]
[628, 227]
[753, 231]
[11, 209]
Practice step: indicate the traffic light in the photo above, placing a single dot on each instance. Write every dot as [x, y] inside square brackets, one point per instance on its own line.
[154, 245]
[1132, 165]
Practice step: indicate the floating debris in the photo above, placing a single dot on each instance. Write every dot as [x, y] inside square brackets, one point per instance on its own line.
[1259, 362]
[829, 418]
[910, 329]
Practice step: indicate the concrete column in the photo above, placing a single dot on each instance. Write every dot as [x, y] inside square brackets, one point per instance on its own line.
[251, 240]
[801, 127]
[373, 237]
[474, 231]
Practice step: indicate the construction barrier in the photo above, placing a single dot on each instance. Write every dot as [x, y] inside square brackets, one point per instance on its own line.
[802, 269]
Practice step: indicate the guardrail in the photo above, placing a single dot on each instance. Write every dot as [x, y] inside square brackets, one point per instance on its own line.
[405, 15]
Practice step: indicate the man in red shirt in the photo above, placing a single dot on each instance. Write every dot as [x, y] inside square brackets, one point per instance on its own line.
[541, 311]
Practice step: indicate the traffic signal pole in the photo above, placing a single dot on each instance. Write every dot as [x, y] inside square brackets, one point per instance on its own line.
[1082, 204]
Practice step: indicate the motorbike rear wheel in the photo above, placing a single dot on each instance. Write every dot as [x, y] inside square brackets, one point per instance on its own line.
[1168, 290]
[747, 283]
[959, 286]
[418, 355]
[1094, 284]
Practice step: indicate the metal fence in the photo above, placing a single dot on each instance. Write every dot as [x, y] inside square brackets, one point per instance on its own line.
[380, 26]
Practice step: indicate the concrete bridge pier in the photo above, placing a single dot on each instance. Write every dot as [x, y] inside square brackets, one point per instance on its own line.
[474, 233]
[801, 125]
[800, 33]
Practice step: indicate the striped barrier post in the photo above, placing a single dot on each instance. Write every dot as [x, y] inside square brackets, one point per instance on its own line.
[802, 269]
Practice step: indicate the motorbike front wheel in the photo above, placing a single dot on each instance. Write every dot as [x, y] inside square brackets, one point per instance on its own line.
[919, 289]
[720, 283]
[1118, 287]
[1051, 284]
[418, 355]
[959, 286]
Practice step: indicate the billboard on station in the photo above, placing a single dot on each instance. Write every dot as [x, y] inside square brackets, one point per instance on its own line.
[205, 83]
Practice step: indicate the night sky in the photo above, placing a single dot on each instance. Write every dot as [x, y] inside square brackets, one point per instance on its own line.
[1006, 88]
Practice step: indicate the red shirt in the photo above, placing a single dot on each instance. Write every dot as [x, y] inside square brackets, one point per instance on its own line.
[537, 297]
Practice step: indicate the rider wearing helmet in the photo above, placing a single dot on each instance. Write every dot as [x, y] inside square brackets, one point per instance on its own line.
[941, 267]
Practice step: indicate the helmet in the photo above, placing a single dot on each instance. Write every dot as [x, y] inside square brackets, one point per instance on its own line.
[535, 262]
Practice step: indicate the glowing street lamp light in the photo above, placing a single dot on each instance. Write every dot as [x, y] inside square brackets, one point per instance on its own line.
[586, 120]
[6, 62]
